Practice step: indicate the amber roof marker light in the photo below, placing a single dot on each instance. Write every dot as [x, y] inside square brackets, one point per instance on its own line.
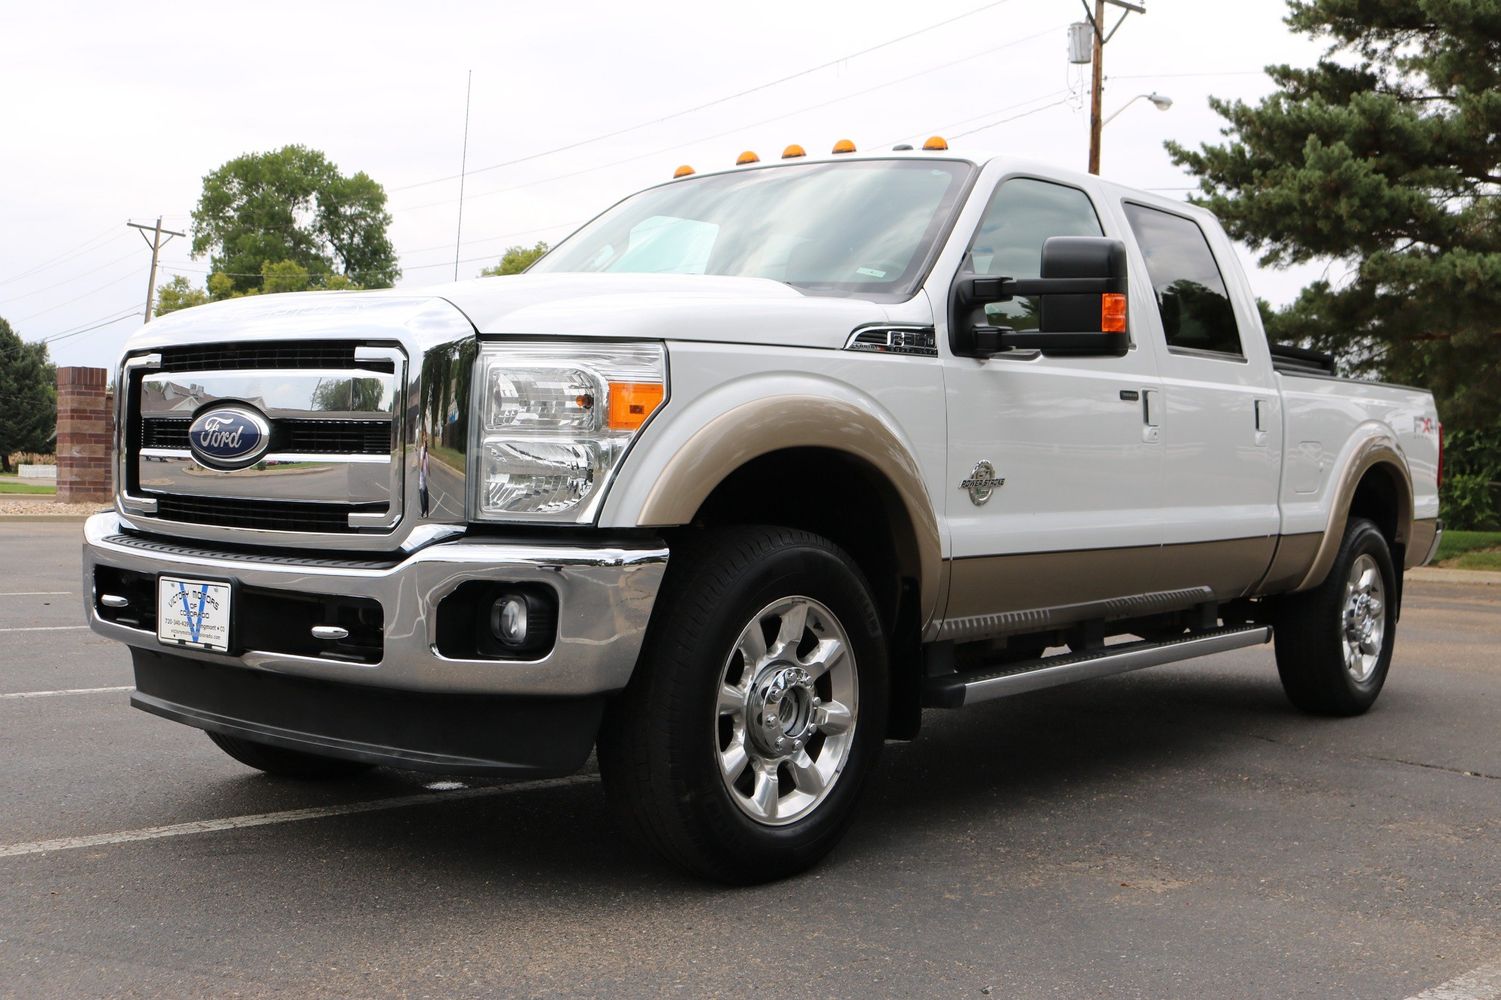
[844, 146]
[682, 171]
[748, 156]
[935, 143]
[793, 151]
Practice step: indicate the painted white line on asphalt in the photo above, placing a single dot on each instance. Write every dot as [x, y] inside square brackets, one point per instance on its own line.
[1483, 983]
[285, 816]
[45, 628]
[54, 694]
[36, 593]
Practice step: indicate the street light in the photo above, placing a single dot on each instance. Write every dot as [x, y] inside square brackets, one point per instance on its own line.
[1161, 102]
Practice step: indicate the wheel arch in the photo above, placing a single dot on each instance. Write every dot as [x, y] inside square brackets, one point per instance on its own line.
[857, 461]
[1374, 484]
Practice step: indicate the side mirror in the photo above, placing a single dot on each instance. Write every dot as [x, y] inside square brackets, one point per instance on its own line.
[1081, 301]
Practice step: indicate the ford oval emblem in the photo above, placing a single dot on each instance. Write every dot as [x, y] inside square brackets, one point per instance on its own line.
[229, 437]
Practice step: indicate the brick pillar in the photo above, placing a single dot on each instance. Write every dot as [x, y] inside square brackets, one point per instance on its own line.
[85, 433]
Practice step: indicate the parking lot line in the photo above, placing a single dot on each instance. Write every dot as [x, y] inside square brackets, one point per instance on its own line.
[285, 816]
[36, 593]
[45, 628]
[54, 694]
[1483, 983]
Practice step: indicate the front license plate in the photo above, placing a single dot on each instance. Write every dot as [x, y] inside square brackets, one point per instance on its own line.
[193, 613]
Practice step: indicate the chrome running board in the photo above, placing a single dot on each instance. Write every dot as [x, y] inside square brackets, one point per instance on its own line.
[958, 690]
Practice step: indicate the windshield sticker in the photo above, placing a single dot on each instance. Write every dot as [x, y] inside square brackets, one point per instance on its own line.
[870, 272]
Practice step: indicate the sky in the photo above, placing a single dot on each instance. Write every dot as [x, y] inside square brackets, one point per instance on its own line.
[113, 113]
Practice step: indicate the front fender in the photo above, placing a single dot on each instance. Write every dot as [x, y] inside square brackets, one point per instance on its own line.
[672, 472]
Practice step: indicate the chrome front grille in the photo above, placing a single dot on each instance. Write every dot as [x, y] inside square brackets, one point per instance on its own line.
[335, 464]
[315, 437]
[267, 355]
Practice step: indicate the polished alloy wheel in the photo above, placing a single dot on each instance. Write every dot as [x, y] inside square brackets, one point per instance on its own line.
[1364, 618]
[787, 708]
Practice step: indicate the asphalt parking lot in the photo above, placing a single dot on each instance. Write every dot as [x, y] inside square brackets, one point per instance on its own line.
[1178, 832]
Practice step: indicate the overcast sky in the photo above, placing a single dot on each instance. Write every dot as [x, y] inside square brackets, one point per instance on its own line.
[114, 112]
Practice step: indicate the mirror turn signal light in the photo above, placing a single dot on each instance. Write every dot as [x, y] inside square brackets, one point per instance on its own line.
[747, 157]
[844, 146]
[936, 142]
[1112, 313]
[632, 402]
[793, 151]
[682, 171]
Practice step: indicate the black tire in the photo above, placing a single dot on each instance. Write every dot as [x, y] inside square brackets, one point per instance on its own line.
[1311, 633]
[661, 742]
[285, 763]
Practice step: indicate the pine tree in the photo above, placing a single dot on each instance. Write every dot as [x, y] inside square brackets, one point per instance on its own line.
[1383, 159]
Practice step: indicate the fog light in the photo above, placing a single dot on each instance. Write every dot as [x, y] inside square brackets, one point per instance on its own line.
[508, 620]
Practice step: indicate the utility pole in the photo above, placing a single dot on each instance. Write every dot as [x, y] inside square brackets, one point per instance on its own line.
[155, 242]
[1097, 70]
[458, 233]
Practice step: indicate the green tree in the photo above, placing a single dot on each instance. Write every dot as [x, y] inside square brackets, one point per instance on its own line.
[1383, 160]
[28, 396]
[515, 260]
[293, 205]
[284, 276]
[177, 294]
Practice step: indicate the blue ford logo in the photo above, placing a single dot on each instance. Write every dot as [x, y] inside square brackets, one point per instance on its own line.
[229, 437]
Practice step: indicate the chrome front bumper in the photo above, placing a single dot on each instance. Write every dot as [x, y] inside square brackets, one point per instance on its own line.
[605, 596]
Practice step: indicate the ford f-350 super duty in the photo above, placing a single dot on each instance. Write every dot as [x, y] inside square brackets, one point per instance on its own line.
[736, 481]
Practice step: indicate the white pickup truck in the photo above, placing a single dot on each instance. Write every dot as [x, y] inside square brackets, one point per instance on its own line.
[737, 480]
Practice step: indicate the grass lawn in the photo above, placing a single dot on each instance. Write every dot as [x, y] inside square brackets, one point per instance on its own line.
[13, 484]
[1470, 550]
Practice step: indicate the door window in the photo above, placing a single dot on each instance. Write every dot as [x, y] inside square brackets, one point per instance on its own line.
[1195, 306]
[1022, 214]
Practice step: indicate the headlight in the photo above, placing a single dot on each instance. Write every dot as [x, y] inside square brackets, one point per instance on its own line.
[555, 421]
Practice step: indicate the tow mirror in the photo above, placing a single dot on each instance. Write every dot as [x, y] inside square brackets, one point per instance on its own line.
[1081, 300]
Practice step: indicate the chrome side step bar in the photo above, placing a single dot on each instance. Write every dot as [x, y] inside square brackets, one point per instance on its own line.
[958, 690]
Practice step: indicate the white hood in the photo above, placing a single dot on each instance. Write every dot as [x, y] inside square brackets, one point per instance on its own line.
[661, 307]
[625, 306]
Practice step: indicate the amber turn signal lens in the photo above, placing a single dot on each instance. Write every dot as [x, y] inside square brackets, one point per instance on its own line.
[793, 151]
[682, 171]
[936, 142]
[1113, 312]
[632, 402]
[844, 146]
[747, 157]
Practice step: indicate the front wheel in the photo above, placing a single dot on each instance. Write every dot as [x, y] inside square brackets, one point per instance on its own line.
[1334, 642]
[757, 709]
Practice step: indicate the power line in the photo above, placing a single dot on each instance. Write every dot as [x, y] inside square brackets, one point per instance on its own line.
[717, 101]
[739, 128]
[1002, 121]
[78, 298]
[90, 329]
[82, 248]
[68, 281]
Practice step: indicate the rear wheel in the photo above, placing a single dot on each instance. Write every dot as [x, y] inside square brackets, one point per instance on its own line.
[739, 748]
[285, 763]
[1334, 642]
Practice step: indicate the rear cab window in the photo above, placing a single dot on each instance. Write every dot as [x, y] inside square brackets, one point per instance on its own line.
[1197, 314]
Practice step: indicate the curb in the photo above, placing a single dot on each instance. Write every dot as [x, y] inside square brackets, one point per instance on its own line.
[1438, 574]
[42, 518]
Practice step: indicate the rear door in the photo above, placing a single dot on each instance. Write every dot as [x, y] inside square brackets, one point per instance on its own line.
[1220, 417]
[1075, 519]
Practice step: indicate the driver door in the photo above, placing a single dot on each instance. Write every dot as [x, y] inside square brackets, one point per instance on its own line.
[1076, 518]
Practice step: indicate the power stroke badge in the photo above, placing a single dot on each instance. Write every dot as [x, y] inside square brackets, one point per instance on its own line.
[982, 483]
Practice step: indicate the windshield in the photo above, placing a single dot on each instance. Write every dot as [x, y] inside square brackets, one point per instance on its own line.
[863, 226]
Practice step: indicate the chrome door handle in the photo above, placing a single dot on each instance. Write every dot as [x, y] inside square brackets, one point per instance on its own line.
[1151, 415]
